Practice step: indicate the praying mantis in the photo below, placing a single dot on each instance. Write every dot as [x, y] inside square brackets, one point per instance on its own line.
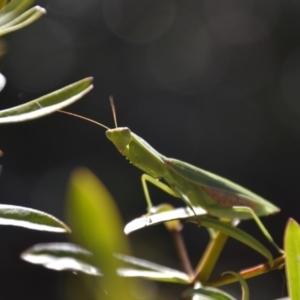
[220, 197]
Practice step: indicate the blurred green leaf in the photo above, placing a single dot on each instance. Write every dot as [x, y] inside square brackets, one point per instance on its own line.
[208, 293]
[153, 271]
[173, 277]
[13, 9]
[17, 6]
[2, 3]
[61, 257]
[30, 219]
[47, 104]
[292, 251]
[237, 234]
[186, 213]
[25, 19]
[97, 226]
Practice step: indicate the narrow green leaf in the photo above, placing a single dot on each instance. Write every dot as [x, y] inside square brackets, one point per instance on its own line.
[238, 234]
[47, 104]
[186, 213]
[244, 285]
[154, 275]
[97, 226]
[153, 271]
[22, 17]
[292, 250]
[23, 20]
[142, 263]
[16, 5]
[30, 218]
[12, 9]
[208, 293]
[161, 217]
[61, 257]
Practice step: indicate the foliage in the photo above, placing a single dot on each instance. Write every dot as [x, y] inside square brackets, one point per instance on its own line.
[92, 211]
[292, 251]
[15, 15]
[106, 254]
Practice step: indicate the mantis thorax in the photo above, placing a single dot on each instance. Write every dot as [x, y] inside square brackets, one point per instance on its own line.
[137, 151]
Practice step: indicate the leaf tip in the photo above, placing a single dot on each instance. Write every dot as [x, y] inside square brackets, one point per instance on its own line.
[90, 79]
[291, 220]
[68, 229]
[40, 9]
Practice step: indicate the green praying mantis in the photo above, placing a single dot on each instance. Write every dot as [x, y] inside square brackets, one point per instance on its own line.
[220, 197]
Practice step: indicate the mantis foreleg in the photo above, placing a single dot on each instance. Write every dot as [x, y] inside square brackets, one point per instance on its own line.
[165, 188]
[147, 178]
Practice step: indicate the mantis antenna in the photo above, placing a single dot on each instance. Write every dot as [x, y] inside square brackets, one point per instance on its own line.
[83, 118]
[113, 108]
[77, 116]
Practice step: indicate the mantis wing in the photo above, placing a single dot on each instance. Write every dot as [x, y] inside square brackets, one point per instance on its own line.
[217, 186]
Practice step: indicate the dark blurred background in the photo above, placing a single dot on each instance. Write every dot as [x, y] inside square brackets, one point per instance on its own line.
[214, 83]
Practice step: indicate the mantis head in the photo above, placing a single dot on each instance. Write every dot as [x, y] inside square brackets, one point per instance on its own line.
[120, 137]
[134, 148]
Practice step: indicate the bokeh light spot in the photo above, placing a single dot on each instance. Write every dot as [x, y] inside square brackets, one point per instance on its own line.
[185, 60]
[239, 27]
[51, 45]
[139, 21]
[71, 7]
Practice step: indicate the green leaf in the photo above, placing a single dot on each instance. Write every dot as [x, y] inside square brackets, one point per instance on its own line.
[154, 275]
[97, 226]
[25, 19]
[292, 250]
[16, 6]
[2, 3]
[30, 218]
[208, 293]
[184, 213]
[47, 104]
[244, 285]
[161, 217]
[153, 271]
[61, 257]
[238, 234]
[13, 9]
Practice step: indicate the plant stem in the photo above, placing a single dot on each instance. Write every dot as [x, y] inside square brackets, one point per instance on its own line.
[248, 273]
[182, 253]
[210, 257]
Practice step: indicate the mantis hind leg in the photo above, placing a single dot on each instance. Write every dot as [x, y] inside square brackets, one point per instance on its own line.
[147, 178]
[243, 209]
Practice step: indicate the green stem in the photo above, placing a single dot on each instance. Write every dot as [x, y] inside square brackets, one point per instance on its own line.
[210, 257]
